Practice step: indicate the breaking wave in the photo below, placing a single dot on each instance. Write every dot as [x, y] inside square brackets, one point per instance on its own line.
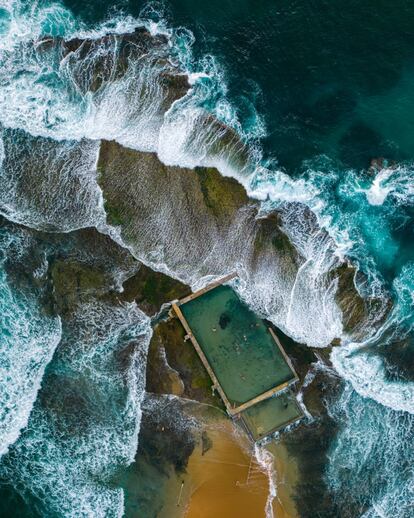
[374, 445]
[28, 340]
[58, 99]
[49, 185]
[85, 422]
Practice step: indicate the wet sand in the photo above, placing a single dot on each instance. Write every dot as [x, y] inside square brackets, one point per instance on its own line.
[227, 480]
[286, 473]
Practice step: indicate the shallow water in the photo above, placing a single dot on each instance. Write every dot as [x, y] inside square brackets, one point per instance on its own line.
[317, 90]
[239, 348]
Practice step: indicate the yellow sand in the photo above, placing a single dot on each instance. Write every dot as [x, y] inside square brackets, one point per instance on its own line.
[286, 472]
[228, 482]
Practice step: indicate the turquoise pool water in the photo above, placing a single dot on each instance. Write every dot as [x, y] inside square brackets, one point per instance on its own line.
[271, 415]
[237, 344]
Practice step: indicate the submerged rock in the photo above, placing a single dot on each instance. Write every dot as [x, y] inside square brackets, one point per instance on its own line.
[93, 62]
[195, 222]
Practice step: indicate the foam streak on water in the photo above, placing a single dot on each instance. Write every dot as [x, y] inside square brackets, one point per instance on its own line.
[371, 463]
[50, 105]
[49, 185]
[28, 339]
[265, 460]
[86, 420]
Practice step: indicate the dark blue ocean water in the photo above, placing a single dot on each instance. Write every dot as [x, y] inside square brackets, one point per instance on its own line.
[323, 91]
[315, 80]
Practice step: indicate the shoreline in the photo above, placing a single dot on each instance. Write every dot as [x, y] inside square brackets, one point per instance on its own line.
[227, 479]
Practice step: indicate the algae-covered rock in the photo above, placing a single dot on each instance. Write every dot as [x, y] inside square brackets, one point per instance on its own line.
[138, 185]
[86, 265]
[92, 266]
[151, 289]
[222, 196]
[169, 351]
[351, 303]
[271, 239]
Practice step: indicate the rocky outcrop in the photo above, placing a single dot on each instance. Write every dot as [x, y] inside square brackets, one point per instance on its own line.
[95, 62]
[185, 218]
[151, 290]
[195, 222]
[360, 315]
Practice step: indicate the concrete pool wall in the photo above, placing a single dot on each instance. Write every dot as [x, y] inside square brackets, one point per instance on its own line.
[244, 358]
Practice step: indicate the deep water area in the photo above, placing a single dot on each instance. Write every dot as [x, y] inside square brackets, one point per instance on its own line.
[149, 148]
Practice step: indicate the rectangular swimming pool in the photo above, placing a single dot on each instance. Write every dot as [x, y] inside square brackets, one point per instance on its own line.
[239, 348]
[270, 415]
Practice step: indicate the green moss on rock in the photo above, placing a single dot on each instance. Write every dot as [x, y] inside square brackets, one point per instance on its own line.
[74, 284]
[182, 357]
[151, 289]
[222, 195]
[113, 214]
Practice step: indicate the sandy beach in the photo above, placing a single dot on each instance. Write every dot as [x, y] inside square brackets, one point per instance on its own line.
[228, 481]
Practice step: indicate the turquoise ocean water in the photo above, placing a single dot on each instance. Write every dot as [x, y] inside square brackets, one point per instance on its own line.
[319, 90]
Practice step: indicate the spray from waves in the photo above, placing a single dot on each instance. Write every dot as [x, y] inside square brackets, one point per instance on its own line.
[303, 302]
[364, 211]
[49, 185]
[133, 108]
[367, 373]
[28, 340]
[65, 89]
[95, 89]
[375, 446]
[21, 20]
[394, 182]
[52, 91]
[364, 365]
[65, 195]
[85, 423]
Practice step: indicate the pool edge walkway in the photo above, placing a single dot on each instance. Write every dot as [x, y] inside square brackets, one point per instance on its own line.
[231, 410]
[197, 347]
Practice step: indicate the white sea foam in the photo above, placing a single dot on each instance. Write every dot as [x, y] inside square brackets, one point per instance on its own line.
[366, 372]
[28, 341]
[129, 110]
[363, 366]
[374, 443]
[50, 185]
[92, 400]
[395, 182]
[265, 460]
